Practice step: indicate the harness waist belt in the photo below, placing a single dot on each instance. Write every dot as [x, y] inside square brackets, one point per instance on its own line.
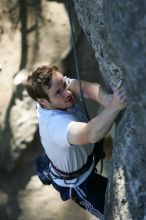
[75, 174]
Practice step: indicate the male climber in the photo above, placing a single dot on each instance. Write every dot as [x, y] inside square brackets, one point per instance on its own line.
[68, 138]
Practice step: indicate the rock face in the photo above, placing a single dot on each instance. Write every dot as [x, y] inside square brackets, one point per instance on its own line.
[116, 31]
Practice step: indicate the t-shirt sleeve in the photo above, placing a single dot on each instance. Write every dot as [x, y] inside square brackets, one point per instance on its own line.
[59, 129]
[68, 80]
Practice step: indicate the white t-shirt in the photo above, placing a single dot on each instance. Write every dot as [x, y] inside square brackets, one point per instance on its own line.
[53, 128]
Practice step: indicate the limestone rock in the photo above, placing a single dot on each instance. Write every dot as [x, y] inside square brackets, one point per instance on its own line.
[116, 31]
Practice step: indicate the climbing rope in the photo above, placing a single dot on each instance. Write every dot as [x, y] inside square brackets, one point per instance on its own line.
[75, 57]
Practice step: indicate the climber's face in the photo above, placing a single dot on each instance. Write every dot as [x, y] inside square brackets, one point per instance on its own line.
[59, 96]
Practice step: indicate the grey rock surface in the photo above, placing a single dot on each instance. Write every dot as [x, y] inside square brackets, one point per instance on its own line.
[116, 31]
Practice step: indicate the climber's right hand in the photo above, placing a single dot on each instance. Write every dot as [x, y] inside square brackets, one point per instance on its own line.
[119, 100]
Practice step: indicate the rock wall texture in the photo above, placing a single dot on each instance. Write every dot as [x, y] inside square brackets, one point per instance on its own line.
[116, 30]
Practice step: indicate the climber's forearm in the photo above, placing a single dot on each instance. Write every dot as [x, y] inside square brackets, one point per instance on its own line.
[84, 133]
[93, 91]
[103, 97]
[80, 133]
[99, 126]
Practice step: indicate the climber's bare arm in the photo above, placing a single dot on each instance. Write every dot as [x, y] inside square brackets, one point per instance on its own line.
[92, 91]
[98, 127]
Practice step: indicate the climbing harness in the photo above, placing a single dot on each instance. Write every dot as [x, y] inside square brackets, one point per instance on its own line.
[44, 169]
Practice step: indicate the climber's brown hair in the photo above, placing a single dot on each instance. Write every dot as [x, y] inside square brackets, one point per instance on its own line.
[39, 78]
